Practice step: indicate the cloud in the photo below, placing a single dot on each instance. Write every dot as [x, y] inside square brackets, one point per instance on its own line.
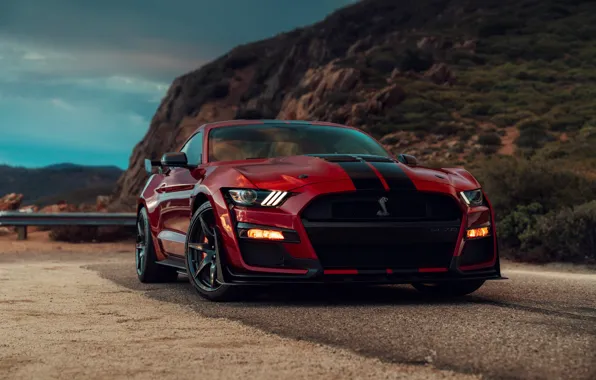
[87, 76]
[33, 56]
[59, 103]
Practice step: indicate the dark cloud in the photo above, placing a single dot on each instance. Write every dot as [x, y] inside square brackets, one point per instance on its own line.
[82, 77]
[194, 29]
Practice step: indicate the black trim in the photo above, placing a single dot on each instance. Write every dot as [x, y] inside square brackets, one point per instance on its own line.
[395, 177]
[363, 177]
[173, 262]
[361, 174]
[316, 276]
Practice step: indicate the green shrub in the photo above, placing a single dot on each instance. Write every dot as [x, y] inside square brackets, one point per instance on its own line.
[511, 182]
[567, 122]
[480, 109]
[532, 133]
[419, 105]
[567, 235]
[489, 139]
[510, 119]
[383, 62]
[517, 223]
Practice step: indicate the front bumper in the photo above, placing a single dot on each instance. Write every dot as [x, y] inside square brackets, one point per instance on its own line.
[361, 252]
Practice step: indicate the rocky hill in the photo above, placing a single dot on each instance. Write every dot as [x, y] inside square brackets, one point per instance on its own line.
[61, 182]
[446, 80]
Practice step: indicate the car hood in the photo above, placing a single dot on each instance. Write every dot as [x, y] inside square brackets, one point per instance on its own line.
[290, 173]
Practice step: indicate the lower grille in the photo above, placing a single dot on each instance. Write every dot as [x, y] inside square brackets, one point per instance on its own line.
[394, 256]
[477, 251]
[406, 245]
[262, 254]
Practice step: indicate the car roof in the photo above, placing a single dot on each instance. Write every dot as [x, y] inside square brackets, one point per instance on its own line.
[229, 123]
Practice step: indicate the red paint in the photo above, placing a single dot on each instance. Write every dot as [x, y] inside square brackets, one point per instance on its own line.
[340, 271]
[171, 208]
[493, 261]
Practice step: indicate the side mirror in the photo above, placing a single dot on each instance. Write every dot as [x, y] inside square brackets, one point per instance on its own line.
[407, 159]
[174, 160]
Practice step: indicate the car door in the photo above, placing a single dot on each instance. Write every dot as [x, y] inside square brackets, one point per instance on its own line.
[175, 198]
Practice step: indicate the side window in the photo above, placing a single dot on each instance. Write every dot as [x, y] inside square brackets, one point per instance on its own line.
[194, 149]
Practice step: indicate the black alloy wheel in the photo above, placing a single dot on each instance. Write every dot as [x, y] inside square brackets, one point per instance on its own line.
[148, 270]
[201, 257]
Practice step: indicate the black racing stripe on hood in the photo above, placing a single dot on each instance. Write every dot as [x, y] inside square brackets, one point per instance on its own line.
[363, 177]
[395, 177]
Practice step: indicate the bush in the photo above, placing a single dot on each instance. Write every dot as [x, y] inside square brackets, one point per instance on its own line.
[383, 62]
[511, 182]
[517, 223]
[507, 120]
[489, 139]
[568, 235]
[532, 133]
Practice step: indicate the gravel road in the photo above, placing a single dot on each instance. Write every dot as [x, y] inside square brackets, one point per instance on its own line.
[78, 312]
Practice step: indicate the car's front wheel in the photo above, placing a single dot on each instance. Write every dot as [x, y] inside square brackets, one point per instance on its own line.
[449, 288]
[201, 257]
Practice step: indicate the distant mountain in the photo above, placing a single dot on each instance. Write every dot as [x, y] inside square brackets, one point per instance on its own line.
[64, 181]
[68, 165]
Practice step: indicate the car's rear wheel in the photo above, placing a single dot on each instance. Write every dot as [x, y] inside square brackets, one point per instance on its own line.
[201, 257]
[148, 271]
[449, 289]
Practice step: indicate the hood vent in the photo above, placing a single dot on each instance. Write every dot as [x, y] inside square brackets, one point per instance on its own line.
[351, 158]
[335, 157]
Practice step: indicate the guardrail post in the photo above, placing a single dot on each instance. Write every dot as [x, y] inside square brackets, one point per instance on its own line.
[22, 233]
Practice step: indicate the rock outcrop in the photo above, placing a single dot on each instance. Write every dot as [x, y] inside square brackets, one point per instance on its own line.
[380, 65]
[11, 202]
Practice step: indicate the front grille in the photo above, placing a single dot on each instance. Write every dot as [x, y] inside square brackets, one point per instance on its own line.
[353, 230]
[374, 206]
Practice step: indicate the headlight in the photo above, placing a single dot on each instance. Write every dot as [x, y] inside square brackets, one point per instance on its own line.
[472, 197]
[251, 197]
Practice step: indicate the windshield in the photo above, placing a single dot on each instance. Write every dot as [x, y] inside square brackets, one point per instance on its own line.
[268, 141]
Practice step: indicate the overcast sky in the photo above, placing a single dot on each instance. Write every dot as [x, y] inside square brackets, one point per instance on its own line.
[80, 79]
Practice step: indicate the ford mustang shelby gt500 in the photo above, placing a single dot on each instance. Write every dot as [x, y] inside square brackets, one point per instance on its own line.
[260, 202]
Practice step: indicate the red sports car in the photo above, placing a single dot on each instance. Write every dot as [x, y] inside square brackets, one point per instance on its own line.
[262, 202]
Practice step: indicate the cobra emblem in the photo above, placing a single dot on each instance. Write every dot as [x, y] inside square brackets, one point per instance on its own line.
[383, 211]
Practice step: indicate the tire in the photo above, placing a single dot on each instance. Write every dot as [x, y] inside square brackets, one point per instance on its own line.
[148, 270]
[204, 280]
[449, 289]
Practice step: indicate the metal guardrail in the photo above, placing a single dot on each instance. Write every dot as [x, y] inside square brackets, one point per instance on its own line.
[24, 219]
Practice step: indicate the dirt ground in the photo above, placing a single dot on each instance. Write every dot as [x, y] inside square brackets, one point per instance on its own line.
[61, 321]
